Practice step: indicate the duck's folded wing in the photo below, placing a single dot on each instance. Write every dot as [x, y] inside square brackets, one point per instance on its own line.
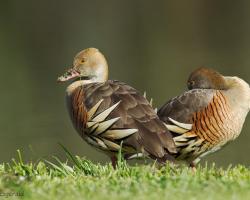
[180, 110]
[138, 125]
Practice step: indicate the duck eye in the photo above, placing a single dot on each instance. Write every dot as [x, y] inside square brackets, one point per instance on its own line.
[192, 83]
[82, 60]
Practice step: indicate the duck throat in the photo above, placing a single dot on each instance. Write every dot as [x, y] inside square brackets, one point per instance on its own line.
[238, 90]
[73, 86]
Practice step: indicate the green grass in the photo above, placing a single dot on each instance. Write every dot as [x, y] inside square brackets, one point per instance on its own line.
[84, 180]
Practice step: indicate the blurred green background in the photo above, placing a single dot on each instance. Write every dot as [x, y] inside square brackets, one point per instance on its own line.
[151, 45]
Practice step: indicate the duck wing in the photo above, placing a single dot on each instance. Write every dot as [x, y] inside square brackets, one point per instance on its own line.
[121, 114]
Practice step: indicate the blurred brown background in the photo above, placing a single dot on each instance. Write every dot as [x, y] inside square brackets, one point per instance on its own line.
[151, 45]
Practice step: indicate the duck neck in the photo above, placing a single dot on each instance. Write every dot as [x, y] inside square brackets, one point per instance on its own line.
[70, 89]
[239, 91]
[101, 73]
[236, 83]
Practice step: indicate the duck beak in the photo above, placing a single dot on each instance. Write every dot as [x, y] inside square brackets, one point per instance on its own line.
[68, 75]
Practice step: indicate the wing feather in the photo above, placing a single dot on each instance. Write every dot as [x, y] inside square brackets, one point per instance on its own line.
[182, 108]
[145, 131]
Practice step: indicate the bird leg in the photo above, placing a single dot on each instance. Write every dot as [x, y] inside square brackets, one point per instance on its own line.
[193, 164]
[193, 167]
[114, 161]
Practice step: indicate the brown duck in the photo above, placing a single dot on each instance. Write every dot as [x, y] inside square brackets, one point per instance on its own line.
[111, 115]
[207, 116]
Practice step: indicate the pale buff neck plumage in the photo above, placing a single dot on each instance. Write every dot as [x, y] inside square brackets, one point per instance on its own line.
[70, 89]
[238, 92]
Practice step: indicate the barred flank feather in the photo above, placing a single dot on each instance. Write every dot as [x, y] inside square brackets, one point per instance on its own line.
[200, 125]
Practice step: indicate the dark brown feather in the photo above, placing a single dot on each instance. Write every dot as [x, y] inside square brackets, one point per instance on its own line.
[182, 108]
[134, 111]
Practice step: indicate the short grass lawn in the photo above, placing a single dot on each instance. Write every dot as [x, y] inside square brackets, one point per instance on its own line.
[84, 180]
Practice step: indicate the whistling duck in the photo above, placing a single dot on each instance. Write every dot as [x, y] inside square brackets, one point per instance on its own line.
[111, 115]
[208, 115]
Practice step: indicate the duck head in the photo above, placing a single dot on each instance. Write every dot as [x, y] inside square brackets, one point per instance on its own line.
[89, 65]
[205, 78]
